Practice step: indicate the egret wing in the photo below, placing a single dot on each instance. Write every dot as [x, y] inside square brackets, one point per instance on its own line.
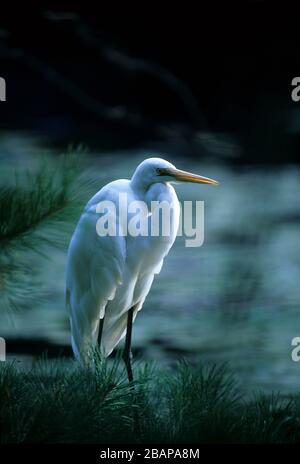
[94, 270]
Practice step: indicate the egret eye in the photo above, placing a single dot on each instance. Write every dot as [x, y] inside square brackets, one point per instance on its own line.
[159, 171]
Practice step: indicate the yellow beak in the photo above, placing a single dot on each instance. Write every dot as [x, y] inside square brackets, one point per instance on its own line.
[184, 176]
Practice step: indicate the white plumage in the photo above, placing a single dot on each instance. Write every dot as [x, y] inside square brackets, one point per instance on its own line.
[108, 275]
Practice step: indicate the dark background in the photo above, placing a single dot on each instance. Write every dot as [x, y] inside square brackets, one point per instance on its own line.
[156, 76]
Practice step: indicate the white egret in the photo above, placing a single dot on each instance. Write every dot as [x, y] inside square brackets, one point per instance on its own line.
[109, 276]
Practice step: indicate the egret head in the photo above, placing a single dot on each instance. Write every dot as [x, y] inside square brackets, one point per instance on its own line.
[153, 170]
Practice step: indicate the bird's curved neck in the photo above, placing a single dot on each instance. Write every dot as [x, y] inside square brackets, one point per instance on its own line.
[139, 185]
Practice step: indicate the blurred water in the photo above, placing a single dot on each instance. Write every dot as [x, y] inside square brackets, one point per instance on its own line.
[235, 299]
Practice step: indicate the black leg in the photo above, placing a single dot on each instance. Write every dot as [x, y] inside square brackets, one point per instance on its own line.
[100, 331]
[127, 355]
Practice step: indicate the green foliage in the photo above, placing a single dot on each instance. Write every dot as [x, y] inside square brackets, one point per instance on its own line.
[37, 213]
[39, 198]
[60, 402]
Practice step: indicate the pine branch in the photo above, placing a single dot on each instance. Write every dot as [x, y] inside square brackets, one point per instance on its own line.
[48, 195]
[39, 211]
